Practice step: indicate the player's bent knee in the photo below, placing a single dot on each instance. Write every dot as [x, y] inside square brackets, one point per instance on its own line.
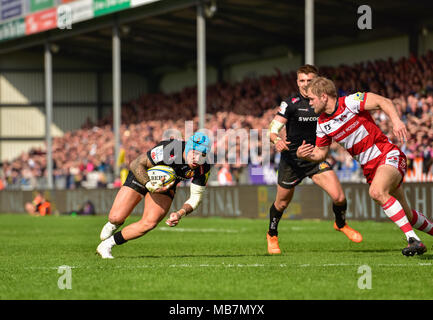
[373, 193]
[116, 219]
[339, 200]
[281, 205]
[378, 195]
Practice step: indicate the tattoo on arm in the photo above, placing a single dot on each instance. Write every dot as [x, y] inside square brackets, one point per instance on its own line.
[139, 168]
[188, 209]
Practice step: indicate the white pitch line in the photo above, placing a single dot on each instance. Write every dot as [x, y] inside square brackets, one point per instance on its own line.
[239, 265]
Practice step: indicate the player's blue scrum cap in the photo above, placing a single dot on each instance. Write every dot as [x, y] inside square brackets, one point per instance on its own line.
[198, 141]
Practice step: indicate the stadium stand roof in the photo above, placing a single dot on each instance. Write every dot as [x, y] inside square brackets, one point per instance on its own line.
[161, 36]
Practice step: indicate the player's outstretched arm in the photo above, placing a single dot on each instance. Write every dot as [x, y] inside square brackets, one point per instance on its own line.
[375, 102]
[175, 217]
[312, 153]
[195, 198]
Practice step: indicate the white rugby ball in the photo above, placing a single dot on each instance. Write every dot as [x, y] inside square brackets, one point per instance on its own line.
[156, 174]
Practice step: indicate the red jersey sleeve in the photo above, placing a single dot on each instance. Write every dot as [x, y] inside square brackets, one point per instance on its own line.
[322, 140]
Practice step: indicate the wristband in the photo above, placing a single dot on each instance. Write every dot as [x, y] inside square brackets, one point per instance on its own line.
[275, 126]
[276, 140]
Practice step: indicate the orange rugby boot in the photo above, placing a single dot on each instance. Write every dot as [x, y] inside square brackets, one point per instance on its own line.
[273, 247]
[352, 234]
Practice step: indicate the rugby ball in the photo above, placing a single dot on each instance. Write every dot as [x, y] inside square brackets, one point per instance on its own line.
[156, 174]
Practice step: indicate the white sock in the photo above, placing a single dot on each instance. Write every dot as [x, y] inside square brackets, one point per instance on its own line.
[395, 212]
[420, 222]
[110, 241]
[111, 225]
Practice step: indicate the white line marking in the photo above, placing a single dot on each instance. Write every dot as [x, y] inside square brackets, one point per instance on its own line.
[238, 265]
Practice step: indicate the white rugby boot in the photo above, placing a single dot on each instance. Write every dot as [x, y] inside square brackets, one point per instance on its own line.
[108, 230]
[104, 248]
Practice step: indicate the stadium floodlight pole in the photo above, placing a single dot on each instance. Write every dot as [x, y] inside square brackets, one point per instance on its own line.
[48, 112]
[201, 64]
[309, 32]
[116, 96]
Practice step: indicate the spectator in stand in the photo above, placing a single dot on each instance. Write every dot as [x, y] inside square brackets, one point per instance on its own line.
[40, 206]
[245, 104]
[87, 209]
[225, 178]
[2, 177]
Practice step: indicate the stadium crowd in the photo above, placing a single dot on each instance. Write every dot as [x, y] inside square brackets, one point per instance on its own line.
[85, 157]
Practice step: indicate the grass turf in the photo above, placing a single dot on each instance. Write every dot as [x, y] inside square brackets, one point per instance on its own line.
[208, 258]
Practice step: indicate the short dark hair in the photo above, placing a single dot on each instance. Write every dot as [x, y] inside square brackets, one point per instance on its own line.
[308, 68]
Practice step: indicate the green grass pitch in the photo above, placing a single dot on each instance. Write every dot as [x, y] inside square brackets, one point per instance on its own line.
[209, 259]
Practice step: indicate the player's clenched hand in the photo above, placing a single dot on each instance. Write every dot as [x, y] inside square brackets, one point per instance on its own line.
[157, 186]
[164, 189]
[304, 150]
[399, 130]
[173, 220]
[282, 145]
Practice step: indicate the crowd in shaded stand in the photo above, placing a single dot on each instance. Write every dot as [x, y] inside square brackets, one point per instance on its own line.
[85, 157]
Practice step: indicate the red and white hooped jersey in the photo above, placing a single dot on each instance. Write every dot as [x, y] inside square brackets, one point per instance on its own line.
[354, 128]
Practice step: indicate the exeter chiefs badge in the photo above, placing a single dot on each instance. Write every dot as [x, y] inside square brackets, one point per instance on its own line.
[323, 165]
[189, 174]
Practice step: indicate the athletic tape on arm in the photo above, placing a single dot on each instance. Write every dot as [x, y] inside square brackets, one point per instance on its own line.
[195, 196]
[275, 126]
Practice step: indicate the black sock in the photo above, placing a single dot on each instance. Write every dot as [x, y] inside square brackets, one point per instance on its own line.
[274, 219]
[118, 238]
[340, 214]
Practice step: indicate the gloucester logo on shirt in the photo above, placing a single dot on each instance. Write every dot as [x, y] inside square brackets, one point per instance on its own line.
[393, 159]
[342, 118]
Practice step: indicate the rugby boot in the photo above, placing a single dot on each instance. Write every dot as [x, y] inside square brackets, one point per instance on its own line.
[414, 247]
[273, 247]
[104, 250]
[108, 230]
[352, 234]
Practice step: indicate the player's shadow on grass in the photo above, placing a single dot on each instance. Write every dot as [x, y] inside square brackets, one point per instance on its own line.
[355, 250]
[426, 257]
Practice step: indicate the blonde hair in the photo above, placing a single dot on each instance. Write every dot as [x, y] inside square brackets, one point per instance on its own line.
[321, 85]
